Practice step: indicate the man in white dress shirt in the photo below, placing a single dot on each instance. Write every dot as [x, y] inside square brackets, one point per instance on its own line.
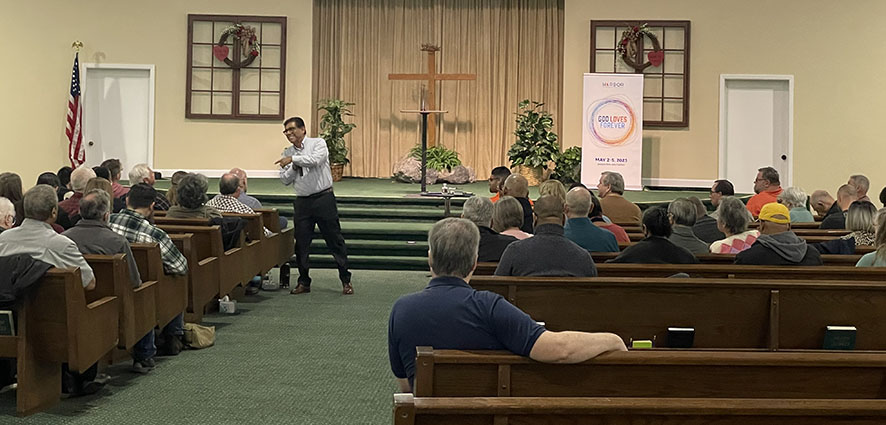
[305, 166]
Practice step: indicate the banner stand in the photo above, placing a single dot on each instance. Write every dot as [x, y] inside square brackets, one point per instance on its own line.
[612, 128]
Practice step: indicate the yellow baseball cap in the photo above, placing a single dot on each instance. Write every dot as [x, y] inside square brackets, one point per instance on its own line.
[776, 213]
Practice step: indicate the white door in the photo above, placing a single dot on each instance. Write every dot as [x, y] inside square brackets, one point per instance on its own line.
[756, 128]
[119, 114]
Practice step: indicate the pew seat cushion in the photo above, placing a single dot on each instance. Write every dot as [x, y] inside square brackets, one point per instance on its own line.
[449, 314]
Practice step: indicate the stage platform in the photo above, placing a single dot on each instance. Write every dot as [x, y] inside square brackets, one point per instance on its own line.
[385, 223]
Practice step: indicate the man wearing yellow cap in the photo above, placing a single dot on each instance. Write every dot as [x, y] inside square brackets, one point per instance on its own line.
[777, 244]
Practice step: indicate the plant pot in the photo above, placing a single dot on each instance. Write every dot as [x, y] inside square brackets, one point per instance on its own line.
[533, 175]
[337, 171]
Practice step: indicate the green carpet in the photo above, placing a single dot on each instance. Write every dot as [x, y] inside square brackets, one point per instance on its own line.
[319, 358]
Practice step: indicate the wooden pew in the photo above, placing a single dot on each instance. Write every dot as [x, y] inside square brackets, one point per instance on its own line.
[56, 325]
[648, 387]
[286, 241]
[137, 314]
[203, 277]
[716, 270]
[207, 242]
[654, 373]
[726, 313]
[172, 290]
[258, 255]
[410, 410]
[827, 259]
[244, 256]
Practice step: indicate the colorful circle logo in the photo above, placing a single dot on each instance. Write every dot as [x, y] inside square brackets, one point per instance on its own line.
[612, 121]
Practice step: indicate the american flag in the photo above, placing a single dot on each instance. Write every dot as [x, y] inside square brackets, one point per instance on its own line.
[74, 119]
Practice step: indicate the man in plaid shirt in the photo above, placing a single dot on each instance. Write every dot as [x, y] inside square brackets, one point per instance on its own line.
[132, 223]
[229, 191]
[226, 201]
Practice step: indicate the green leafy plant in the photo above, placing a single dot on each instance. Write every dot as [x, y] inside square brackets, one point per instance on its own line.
[333, 128]
[536, 144]
[568, 169]
[439, 157]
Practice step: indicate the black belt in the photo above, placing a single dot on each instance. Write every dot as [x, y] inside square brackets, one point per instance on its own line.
[315, 195]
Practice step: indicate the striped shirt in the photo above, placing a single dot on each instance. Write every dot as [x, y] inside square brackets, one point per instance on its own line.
[309, 172]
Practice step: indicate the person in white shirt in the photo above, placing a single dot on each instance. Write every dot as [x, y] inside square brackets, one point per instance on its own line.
[305, 166]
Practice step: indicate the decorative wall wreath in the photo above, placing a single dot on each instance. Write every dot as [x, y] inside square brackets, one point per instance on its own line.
[249, 47]
[629, 46]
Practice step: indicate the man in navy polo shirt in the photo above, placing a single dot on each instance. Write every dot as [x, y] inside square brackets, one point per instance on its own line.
[449, 314]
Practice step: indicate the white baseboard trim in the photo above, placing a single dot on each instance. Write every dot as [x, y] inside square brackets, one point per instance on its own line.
[692, 183]
[167, 172]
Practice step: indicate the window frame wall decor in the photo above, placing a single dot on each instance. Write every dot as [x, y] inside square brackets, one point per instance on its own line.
[259, 78]
[649, 37]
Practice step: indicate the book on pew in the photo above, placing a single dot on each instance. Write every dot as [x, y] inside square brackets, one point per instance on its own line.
[839, 338]
[7, 326]
[681, 337]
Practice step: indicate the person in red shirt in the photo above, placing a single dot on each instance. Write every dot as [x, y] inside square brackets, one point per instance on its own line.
[767, 188]
[496, 180]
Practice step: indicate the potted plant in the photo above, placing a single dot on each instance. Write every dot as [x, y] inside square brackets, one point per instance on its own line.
[333, 130]
[568, 166]
[439, 157]
[536, 144]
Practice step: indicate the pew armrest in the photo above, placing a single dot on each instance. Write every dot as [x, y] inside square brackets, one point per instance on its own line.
[101, 302]
[145, 285]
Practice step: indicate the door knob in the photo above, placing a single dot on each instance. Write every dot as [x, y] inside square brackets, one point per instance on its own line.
[784, 157]
[91, 143]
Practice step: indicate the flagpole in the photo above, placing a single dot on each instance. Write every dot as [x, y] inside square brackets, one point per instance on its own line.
[77, 45]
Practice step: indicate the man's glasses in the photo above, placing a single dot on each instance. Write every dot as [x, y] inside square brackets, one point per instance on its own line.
[289, 130]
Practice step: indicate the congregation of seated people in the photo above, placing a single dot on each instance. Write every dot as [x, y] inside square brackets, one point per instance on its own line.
[567, 226]
[87, 210]
[679, 231]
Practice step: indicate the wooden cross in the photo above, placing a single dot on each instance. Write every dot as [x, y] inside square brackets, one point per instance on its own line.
[431, 77]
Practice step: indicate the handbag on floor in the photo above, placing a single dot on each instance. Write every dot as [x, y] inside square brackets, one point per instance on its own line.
[199, 336]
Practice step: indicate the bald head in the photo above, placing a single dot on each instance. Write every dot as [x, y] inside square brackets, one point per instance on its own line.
[229, 184]
[241, 173]
[578, 202]
[821, 201]
[549, 210]
[516, 185]
[846, 195]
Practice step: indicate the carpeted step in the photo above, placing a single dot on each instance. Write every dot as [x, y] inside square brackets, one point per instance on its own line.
[367, 262]
[381, 214]
[377, 248]
[384, 231]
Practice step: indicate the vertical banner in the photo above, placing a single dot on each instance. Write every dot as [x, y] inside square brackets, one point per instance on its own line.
[612, 128]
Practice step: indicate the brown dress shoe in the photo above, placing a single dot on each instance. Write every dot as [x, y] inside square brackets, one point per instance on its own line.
[347, 289]
[300, 289]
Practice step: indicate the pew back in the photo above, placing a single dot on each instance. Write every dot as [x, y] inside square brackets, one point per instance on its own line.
[726, 313]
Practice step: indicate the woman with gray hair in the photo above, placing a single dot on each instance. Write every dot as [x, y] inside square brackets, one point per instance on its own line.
[191, 197]
[732, 219]
[795, 199]
[507, 218]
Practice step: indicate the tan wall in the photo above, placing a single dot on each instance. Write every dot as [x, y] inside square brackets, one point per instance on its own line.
[35, 78]
[835, 50]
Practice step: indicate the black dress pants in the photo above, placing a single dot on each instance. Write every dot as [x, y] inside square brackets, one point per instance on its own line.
[319, 209]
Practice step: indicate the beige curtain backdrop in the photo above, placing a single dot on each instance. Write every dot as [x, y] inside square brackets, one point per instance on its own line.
[515, 47]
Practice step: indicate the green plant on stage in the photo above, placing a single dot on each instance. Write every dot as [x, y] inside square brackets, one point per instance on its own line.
[439, 157]
[536, 144]
[568, 168]
[333, 128]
